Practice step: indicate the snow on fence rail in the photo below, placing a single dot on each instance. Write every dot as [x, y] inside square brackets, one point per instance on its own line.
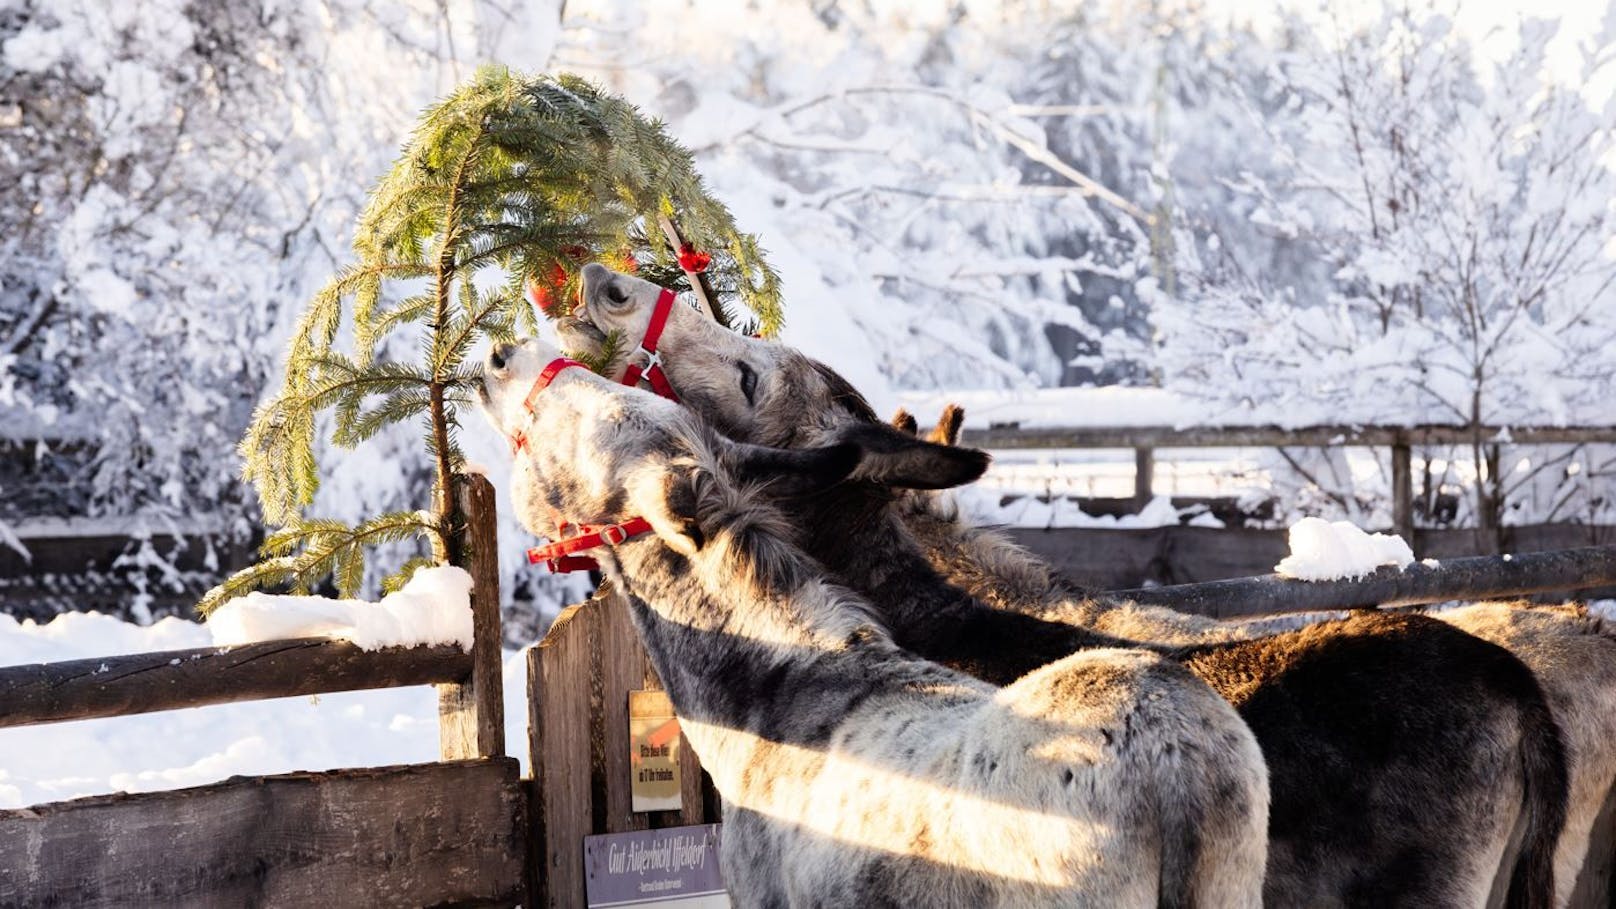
[1145, 439]
[290, 839]
[169, 680]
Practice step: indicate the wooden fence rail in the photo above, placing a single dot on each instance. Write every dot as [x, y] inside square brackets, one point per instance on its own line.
[452, 833]
[1402, 440]
[1451, 579]
[169, 680]
[420, 835]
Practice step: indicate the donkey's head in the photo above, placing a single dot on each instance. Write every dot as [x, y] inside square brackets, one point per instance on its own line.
[594, 452]
[752, 390]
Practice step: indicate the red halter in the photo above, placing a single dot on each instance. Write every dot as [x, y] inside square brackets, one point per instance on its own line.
[546, 376]
[652, 370]
[558, 556]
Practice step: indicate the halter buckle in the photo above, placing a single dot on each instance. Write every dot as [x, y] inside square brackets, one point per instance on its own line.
[653, 360]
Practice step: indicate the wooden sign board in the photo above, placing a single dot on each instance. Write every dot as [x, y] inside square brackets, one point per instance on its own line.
[655, 869]
[653, 741]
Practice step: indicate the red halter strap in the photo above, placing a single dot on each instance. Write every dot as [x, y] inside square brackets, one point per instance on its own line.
[652, 369]
[559, 555]
[546, 376]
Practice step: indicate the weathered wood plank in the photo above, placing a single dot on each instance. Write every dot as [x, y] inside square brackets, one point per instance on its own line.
[623, 664]
[559, 671]
[420, 835]
[471, 713]
[146, 682]
[1113, 559]
[1452, 579]
[1012, 436]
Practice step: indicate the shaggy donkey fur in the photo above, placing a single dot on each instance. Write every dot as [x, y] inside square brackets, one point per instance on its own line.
[1384, 792]
[1574, 658]
[1570, 652]
[854, 773]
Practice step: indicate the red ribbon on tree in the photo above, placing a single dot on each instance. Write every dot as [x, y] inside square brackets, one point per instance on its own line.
[692, 261]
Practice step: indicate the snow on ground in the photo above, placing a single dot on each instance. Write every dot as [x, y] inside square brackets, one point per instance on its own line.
[1334, 550]
[433, 607]
[201, 745]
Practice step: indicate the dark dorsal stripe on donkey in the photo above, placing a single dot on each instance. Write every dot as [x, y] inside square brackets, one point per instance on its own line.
[1411, 763]
[855, 773]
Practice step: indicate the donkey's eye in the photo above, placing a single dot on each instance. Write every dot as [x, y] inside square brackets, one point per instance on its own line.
[616, 294]
[748, 383]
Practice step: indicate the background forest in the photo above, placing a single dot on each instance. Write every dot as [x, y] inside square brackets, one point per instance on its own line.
[1369, 213]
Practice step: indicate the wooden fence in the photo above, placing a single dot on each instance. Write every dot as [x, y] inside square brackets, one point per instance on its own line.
[453, 832]
[1400, 440]
[467, 830]
[579, 679]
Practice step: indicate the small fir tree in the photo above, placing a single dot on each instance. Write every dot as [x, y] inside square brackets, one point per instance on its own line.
[509, 184]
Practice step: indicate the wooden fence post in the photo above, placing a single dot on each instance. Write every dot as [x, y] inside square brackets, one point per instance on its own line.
[579, 677]
[471, 713]
[1403, 491]
[561, 807]
[1144, 475]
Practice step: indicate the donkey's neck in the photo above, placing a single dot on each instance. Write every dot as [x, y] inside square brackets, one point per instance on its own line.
[765, 675]
[857, 529]
[743, 652]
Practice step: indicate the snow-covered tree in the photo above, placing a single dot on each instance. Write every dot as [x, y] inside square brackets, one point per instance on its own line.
[180, 175]
[1464, 212]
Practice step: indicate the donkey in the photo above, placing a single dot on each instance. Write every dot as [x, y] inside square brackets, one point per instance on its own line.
[1574, 658]
[854, 773]
[1572, 654]
[1382, 792]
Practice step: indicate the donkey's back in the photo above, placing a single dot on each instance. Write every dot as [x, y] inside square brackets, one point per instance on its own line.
[1170, 779]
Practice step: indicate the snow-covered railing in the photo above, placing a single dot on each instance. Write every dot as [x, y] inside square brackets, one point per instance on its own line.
[1401, 440]
[471, 712]
[170, 680]
[1480, 577]
[297, 838]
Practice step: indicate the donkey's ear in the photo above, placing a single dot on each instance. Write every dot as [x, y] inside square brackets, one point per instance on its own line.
[794, 471]
[905, 422]
[947, 431]
[894, 458]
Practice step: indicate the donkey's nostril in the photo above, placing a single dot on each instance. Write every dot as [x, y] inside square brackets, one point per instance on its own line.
[500, 355]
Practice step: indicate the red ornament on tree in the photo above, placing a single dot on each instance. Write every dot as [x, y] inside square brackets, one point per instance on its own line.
[692, 261]
[546, 291]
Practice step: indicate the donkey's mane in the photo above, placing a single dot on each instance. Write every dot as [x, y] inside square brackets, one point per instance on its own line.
[754, 545]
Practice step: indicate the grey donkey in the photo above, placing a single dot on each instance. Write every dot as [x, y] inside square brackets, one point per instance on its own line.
[854, 773]
[1410, 763]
